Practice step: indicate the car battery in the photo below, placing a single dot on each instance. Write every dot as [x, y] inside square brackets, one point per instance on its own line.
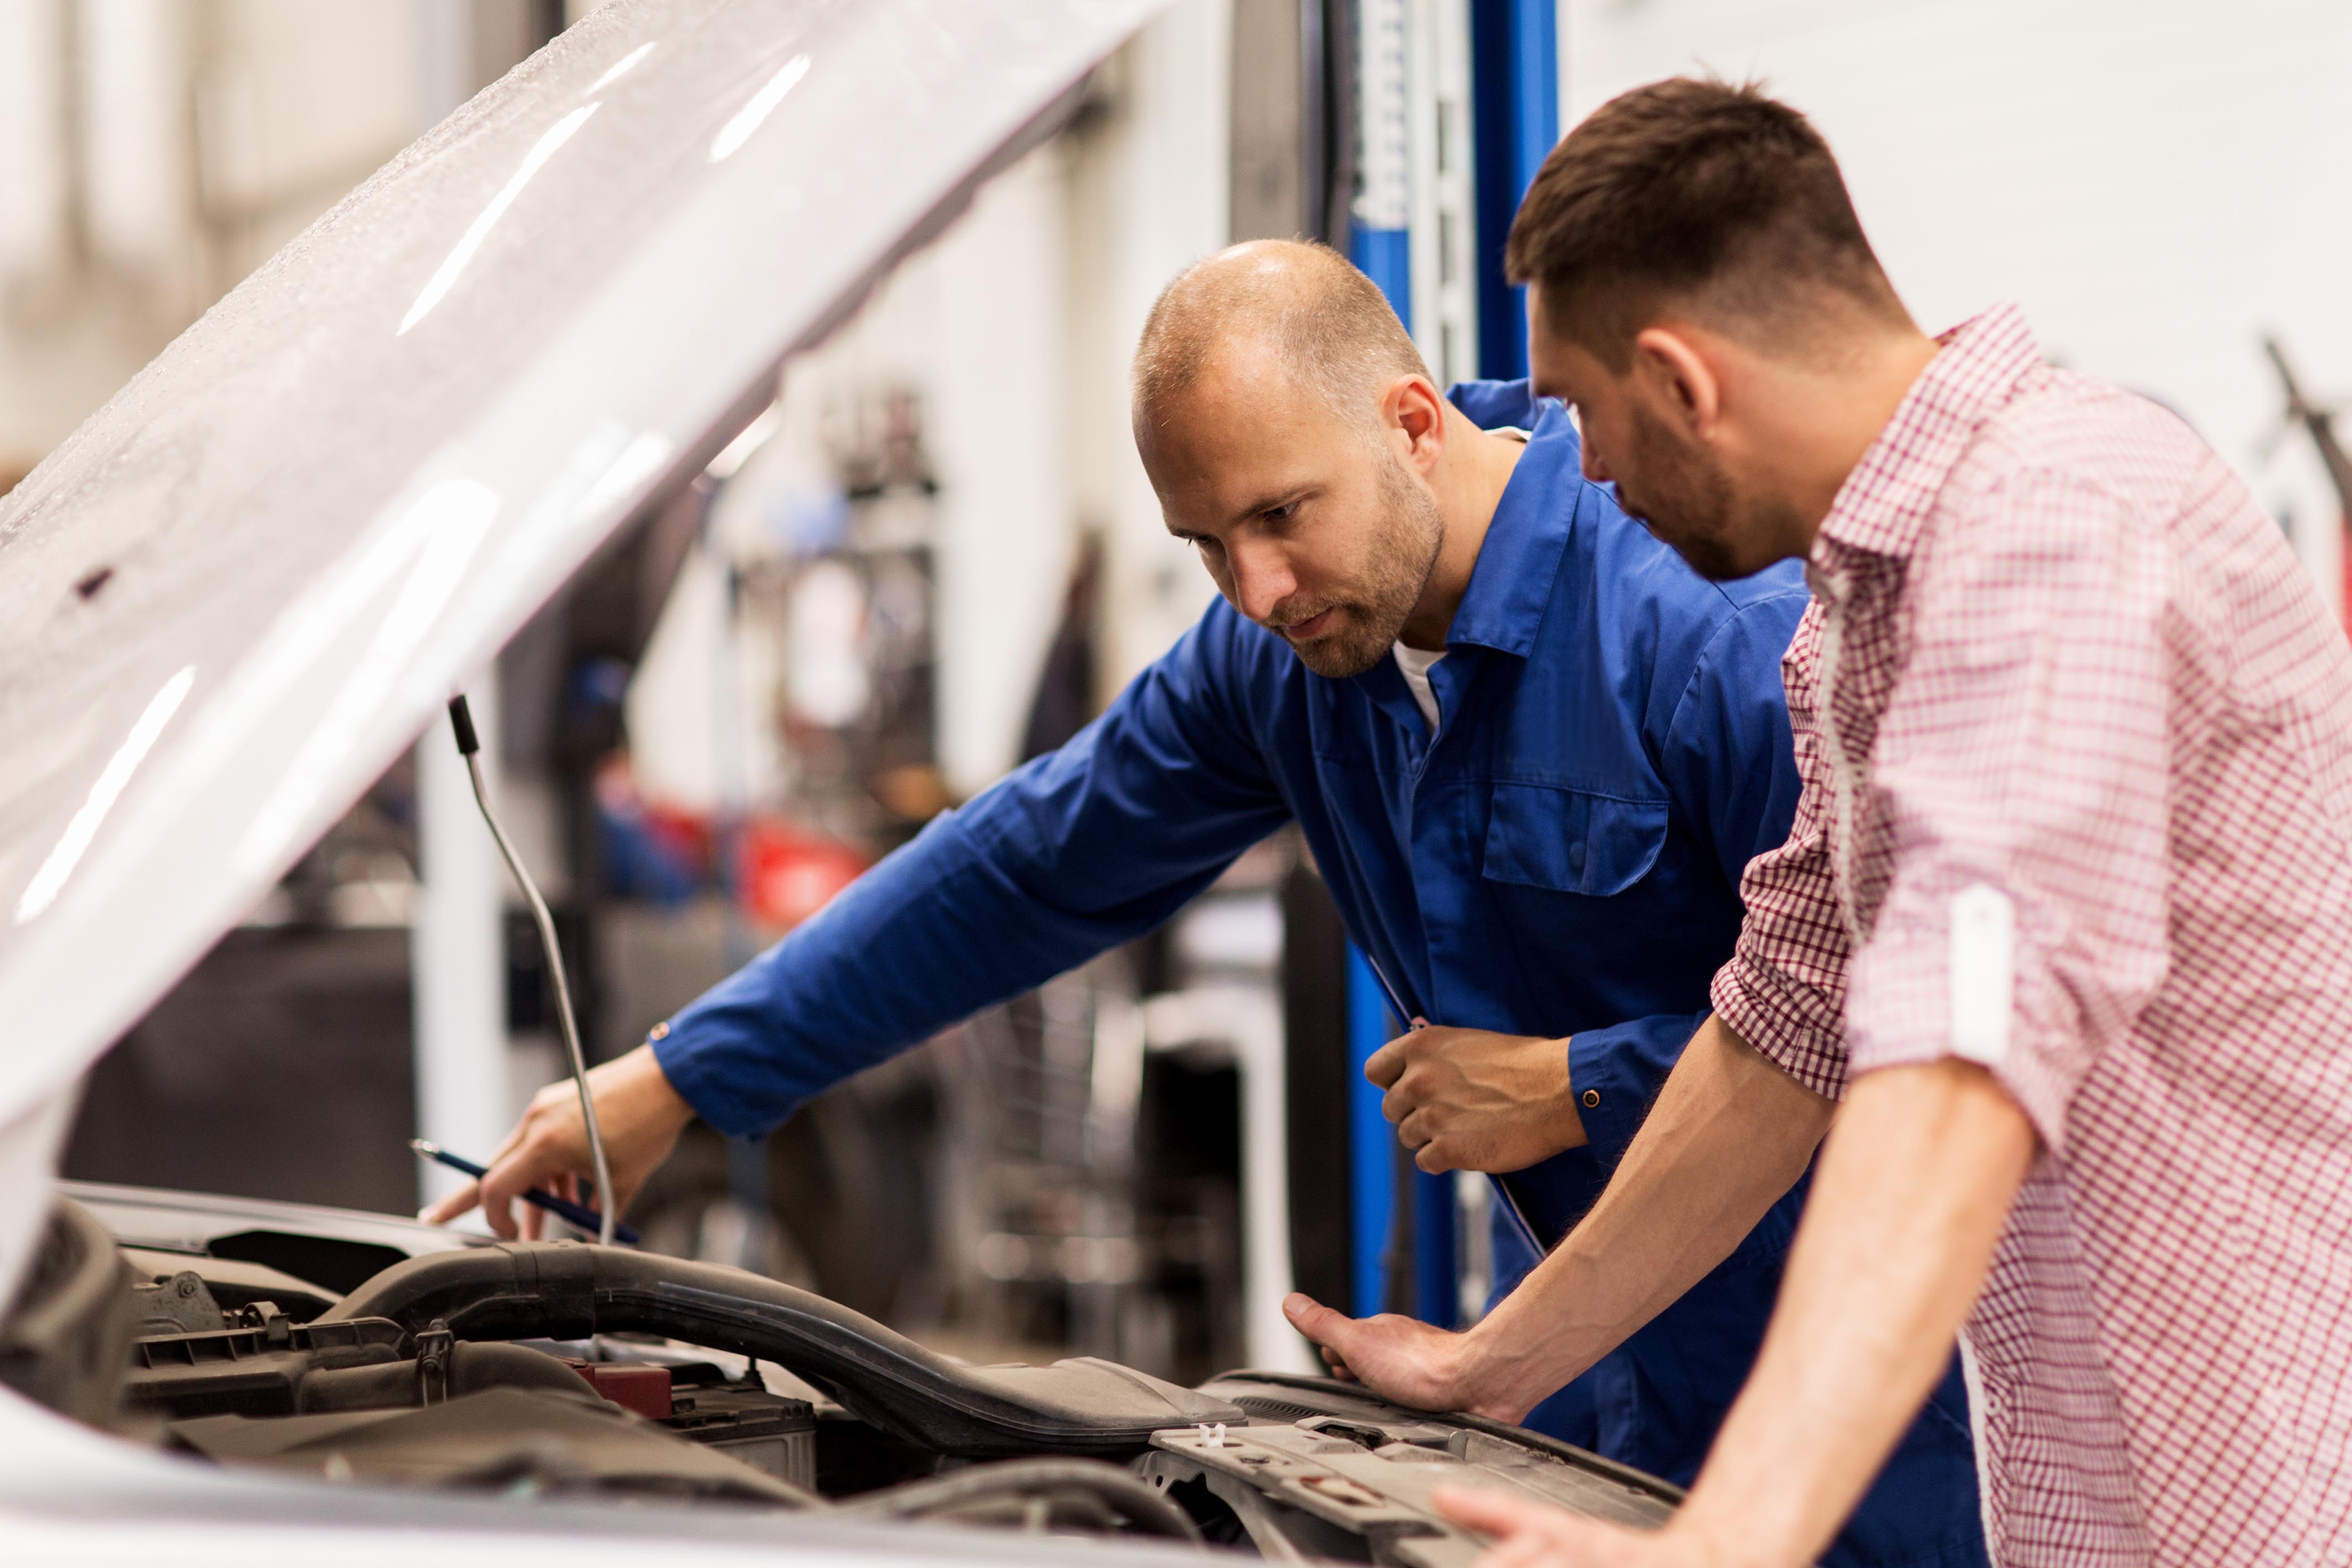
[742, 1420]
[632, 1385]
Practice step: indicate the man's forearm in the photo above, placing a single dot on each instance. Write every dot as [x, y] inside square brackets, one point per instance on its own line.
[1912, 1193]
[1729, 1135]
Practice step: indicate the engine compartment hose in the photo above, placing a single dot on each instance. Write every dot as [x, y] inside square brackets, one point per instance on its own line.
[568, 1290]
[1022, 1482]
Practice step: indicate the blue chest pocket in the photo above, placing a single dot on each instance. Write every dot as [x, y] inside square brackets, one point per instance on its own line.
[1571, 841]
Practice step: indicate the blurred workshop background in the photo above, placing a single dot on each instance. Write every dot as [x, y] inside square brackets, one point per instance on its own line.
[936, 554]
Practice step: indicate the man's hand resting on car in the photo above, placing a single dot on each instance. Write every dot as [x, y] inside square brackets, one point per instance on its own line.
[1404, 1359]
[1470, 1099]
[639, 1113]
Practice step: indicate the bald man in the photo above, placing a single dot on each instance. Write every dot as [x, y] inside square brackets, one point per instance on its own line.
[1532, 753]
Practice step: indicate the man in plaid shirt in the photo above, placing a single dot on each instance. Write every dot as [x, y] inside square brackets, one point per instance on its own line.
[2060, 944]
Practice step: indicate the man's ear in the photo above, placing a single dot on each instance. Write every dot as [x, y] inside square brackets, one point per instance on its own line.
[1678, 376]
[1413, 406]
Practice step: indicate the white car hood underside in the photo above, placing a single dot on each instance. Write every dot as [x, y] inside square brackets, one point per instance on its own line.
[233, 597]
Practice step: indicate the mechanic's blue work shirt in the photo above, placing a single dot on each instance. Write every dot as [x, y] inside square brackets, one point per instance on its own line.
[1562, 858]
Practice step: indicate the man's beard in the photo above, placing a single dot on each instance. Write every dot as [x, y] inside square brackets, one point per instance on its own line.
[1687, 501]
[1401, 556]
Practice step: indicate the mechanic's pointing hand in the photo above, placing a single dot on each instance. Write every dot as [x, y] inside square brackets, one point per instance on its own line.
[1468, 1100]
[639, 1113]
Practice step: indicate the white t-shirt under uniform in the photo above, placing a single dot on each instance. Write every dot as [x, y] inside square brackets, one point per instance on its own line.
[1416, 665]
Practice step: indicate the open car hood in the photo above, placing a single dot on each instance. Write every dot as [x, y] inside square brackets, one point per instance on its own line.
[233, 597]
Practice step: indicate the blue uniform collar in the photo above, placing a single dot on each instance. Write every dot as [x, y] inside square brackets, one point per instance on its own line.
[1512, 583]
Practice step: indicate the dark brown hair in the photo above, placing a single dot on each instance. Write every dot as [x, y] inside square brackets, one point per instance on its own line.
[1710, 195]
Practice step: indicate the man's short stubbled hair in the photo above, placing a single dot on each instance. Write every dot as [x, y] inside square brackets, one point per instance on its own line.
[1696, 193]
[1327, 324]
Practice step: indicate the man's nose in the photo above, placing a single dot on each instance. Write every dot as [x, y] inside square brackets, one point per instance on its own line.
[1594, 469]
[1262, 579]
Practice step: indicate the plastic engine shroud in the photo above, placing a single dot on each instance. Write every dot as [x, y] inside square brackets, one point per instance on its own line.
[569, 1290]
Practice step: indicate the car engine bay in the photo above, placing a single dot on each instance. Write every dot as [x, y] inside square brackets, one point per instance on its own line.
[543, 1369]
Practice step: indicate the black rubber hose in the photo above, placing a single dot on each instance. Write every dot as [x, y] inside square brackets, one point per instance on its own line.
[569, 1290]
[1020, 1480]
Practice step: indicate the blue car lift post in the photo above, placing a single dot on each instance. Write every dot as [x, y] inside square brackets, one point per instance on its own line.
[1514, 54]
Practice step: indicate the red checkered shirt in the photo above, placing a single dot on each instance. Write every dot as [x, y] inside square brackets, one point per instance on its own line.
[2062, 669]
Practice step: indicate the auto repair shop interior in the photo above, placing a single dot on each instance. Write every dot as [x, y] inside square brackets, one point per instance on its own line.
[796, 338]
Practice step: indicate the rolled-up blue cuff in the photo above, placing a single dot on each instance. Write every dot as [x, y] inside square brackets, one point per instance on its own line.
[696, 1061]
[1616, 1073]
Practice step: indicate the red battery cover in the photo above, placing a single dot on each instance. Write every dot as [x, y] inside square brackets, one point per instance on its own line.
[642, 1389]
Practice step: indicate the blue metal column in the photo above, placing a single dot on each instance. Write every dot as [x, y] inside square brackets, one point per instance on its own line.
[1515, 120]
[1381, 255]
[1437, 1250]
[1378, 1182]
[1379, 243]
[1371, 1143]
[1382, 207]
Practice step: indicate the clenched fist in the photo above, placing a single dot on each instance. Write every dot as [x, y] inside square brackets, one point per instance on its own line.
[1469, 1099]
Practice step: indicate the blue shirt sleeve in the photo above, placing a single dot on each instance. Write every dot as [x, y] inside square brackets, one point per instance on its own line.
[1071, 855]
[1727, 758]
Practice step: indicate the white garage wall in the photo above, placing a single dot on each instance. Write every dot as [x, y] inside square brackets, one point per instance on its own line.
[2156, 182]
[1016, 327]
[1150, 195]
[977, 325]
[992, 301]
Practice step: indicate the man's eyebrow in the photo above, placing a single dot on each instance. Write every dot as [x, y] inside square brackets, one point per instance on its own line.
[1265, 502]
[1272, 498]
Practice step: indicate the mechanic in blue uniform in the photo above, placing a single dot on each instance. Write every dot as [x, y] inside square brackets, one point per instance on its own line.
[1545, 841]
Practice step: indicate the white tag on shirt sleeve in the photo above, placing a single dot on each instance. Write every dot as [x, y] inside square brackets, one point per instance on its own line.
[1983, 976]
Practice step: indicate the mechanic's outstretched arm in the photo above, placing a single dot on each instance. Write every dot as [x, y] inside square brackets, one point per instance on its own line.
[1730, 1134]
[1070, 855]
[1913, 1192]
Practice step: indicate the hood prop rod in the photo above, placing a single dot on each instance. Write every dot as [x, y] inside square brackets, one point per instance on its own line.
[469, 746]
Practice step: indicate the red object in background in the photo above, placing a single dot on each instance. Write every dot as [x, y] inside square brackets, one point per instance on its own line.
[642, 1389]
[685, 834]
[684, 837]
[789, 874]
